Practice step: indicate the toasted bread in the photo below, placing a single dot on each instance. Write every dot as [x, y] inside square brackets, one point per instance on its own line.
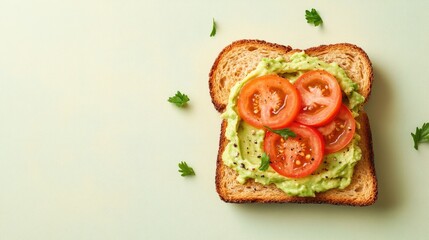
[238, 59]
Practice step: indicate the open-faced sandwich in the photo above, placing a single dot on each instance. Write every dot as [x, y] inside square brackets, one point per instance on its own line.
[293, 128]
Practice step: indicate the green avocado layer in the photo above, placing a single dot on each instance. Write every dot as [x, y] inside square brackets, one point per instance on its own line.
[244, 150]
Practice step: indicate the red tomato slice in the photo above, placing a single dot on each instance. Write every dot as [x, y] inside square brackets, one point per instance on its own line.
[340, 131]
[295, 157]
[268, 101]
[321, 97]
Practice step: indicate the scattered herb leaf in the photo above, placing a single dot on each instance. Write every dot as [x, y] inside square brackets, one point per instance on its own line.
[185, 169]
[313, 17]
[179, 99]
[213, 33]
[265, 162]
[285, 132]
[421, 135]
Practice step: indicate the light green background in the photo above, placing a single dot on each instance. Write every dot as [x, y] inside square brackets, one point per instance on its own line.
[89, 145]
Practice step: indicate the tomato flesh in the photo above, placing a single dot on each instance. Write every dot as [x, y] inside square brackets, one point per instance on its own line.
[295, 157]
[268, 101]
[321, 97]
[339, 132]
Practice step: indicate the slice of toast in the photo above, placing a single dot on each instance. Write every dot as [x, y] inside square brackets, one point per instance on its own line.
[238, 59]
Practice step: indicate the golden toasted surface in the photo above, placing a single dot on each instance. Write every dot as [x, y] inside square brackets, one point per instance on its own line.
[241, 57]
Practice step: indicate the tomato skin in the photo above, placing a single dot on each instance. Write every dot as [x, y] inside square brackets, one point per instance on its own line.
[339, 132]
[321, 97]
[295, 157]
[268, 101]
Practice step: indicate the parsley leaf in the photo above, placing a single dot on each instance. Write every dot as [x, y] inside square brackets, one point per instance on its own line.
[179, 99]
[213, 33]
[265, 162]
[421, 135]
[313, 17]
[185, 169]
[285, 132]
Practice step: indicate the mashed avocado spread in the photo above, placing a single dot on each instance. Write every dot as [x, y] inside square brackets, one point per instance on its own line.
[244, 150]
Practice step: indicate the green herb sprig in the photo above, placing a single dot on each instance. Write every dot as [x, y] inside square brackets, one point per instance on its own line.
[265, 162]
[179, 99]
[285, 132]
[213, 32]
[421, 135]
[185, 169]
[313, 17]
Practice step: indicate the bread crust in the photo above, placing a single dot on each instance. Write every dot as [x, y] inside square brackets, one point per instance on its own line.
[362, 191]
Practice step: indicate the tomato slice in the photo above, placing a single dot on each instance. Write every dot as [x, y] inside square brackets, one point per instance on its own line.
[340, 131]
[268, 101]
[321, 97]
[295, 157]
